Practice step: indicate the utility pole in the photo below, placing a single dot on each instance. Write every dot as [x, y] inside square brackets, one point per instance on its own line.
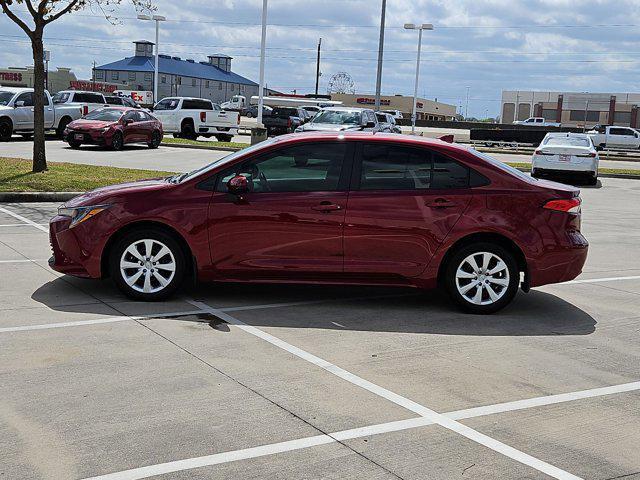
[318, 67]
[93, 76]
[263, 42]
[380, 54]
[466, 109]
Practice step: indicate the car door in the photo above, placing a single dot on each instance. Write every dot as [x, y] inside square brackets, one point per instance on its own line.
[290, 222]
[24, 113]
[131, 126]
[618, 137]
[403, 203]
[49, 115]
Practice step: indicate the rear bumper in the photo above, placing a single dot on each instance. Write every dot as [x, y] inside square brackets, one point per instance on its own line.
[546, 166]
[560, 264]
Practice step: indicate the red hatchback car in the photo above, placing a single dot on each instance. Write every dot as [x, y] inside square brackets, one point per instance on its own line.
[349, 208]
[114, 127]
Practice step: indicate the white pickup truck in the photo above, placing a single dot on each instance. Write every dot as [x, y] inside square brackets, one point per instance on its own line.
[536, 122]
[89, 101]
[189, 118]
[604, 136]
[16, 113]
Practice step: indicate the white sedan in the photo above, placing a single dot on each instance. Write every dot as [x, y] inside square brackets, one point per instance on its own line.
[562, 153]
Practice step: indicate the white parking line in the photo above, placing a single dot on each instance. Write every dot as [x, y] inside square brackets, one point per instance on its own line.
[421, 410]
[24, 219]
[79, 323]
[597, 280]
[19, 224]
[24, 260]
[397, 426]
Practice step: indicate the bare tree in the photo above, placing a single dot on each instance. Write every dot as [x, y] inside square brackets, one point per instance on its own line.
[42, 13]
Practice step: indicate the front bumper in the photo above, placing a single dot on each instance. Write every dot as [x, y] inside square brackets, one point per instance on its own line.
[93, 138]
[74, 249]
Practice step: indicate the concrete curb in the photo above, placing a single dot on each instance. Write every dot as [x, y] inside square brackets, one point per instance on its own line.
[19, 197]
[200, 147]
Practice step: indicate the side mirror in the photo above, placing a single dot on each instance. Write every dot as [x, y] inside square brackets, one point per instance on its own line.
[238, 185]
[19, 103]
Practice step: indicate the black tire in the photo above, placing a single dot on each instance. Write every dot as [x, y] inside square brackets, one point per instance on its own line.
[6, 130]
[117, 142]
[61, 126]
[592, 180]
[249, 115]
[156, 138]
[224, 138]
[535, 173]
[505, 293]
[74, 144]
[136, 291]
[188, 132]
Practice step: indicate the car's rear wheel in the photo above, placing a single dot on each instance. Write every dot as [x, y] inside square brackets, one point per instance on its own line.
[249, 115]
[6, 130]
[116, 141]
[188, 132]
[62, 126]
[482, 278]
[147, 265]
[74, 144]
[155, 140]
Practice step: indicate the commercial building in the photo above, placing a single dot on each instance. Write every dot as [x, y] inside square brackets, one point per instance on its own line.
[212, 79]
[426, 109]
[59, 79]
[572, 108]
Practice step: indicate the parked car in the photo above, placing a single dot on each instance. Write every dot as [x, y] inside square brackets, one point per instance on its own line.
[284, 120]
[387, 123]
[312, 109]
[396, 114]
[114, 127]
[252, 111]
[89, 101]
[420, 212]
[16, 113]
[187, 117]
[334, 119]
[605, 136]
[536, 122]
[113, 100]
[562, 153]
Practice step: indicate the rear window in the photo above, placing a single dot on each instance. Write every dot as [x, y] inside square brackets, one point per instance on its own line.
[502, 166]
[284, 112]
[568, 141]
[114, 100]
[195, 104]
[88, 98]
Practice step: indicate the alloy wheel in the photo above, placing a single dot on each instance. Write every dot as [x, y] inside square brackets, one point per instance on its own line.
[482, 278]
[147, 265]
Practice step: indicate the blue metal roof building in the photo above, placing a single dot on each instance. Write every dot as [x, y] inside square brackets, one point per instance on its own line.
[178, 77]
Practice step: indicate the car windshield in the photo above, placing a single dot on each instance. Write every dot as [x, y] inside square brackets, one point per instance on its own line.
[338, 117]
[181, 177]
[61, 97]
[5, 97]
[502, 166]
[568, 142]
[167, 104]
[105, 115]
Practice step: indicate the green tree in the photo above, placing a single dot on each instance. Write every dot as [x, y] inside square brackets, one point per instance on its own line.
[33, 20]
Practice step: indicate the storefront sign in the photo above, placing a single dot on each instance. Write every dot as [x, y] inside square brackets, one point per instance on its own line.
[10, 76]
[89, 86]
[372, 101]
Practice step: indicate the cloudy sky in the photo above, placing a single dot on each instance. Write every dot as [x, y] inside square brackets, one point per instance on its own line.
[486, 45]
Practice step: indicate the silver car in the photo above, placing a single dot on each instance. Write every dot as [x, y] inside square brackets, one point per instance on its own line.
[337, 119]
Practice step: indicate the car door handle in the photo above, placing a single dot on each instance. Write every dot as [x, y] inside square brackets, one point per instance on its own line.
[440, 203]
[326, 207]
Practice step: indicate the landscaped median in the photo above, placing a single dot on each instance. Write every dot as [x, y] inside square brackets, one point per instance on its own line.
[183, 142]
[16, 176]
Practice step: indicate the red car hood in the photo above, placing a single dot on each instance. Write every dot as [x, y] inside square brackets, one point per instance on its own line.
[83, 124]
[117, 193]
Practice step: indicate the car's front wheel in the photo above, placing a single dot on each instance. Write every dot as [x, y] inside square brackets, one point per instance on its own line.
[156, 138]
[147, 264]
[117, 141]
[482, 278]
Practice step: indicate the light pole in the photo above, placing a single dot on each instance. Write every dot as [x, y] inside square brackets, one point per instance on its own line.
[380, 54]
[466, 108]
[263, 42]
[157, 19]
[420, 28]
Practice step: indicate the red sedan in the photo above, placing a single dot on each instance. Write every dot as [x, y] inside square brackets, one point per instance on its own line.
[350, 208]
[114, 127]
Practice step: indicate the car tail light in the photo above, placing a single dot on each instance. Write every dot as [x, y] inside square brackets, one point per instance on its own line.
[542, 152]
[590, 154]
[85, 110]
[203, 116]
[567, 205]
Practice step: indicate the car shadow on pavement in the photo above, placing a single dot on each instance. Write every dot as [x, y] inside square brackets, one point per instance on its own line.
[394, 310]
[101, 148]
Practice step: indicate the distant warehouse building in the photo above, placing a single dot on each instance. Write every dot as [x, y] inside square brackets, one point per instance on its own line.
[212, 79]
[425, 109]
[572, 108]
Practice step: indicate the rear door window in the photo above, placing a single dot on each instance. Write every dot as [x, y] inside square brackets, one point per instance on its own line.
[196, 104]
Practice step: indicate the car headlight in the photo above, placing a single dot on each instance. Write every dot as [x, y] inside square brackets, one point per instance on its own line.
[81, 214]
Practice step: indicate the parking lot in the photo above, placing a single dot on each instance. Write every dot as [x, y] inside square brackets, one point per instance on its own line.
[287, 382]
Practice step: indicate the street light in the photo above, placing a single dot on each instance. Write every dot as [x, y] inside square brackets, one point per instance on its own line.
[157, 19]
[420, 28]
